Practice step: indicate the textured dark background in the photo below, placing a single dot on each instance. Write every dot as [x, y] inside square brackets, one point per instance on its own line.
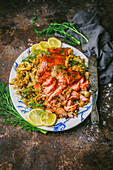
[83, 147]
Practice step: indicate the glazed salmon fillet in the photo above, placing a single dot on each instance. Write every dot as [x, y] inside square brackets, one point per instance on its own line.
[58, 57]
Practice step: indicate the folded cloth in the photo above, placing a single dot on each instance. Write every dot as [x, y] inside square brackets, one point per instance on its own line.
[99, 43]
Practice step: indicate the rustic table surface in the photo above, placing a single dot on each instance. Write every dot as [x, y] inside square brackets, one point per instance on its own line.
[83, 147]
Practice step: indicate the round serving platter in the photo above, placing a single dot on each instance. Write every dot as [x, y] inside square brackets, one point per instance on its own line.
[62, 123]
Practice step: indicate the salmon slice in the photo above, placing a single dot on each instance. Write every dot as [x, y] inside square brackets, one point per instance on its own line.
[85, 85]
[70, 103]
[70, 108]
[70, 115]
[75, 86]
[83, 98]
[48, 82]
[74, 76]
[57, 92]
[81, 81]
[60, 112]
[50, 88]
[75, 95]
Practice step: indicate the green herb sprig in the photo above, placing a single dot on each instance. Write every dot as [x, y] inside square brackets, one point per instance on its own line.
[70, 26]
[34, 55]
[9, 114]
[62, 30]
[29, 57]
[77, 62]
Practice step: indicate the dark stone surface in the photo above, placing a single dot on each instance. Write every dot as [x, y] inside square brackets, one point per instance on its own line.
[83, 147]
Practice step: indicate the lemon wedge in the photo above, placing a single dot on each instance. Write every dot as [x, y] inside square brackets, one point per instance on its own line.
[43, 45]
[33, 117]
[54, 42]
[48, 119]
[34, 48]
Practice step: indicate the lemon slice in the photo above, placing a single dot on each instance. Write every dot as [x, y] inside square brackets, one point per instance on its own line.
[43, 45]
[34, 48]
[33, 117]
[48, 119]
[54, 42]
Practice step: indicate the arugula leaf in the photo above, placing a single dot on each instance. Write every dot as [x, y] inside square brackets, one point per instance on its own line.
[70, 26]
[36, 31]
[62, 30]
[34, 19]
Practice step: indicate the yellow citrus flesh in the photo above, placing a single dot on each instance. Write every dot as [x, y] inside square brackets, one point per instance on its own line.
[54, 42]
[34, 48]
[43, 45]
[48, 119]
[33, 117]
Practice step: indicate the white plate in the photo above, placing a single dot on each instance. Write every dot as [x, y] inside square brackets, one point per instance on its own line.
[62, 123]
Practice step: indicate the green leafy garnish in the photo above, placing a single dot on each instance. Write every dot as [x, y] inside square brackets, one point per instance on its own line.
[9, 114]
[28, 58]
[70, 26]
[60, 52]
[34, 55]
[70, 42]
[62, 30]
[74, 62]
[34, 19]
[33, 105]
[44, 52]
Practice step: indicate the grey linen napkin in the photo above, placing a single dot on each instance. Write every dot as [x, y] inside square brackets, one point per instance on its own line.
[99, 43]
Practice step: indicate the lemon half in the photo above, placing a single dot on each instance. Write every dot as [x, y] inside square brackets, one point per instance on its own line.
[54, 42]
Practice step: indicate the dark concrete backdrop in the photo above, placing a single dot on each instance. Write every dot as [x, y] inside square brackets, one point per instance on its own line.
[83, 147]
